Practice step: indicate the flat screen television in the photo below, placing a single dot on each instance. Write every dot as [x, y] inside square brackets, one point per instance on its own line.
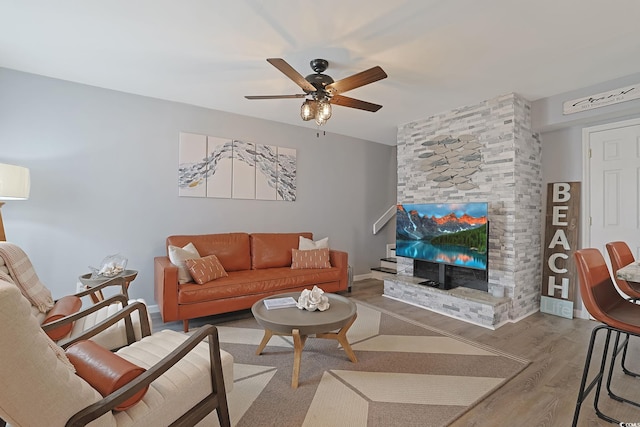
[454, 234]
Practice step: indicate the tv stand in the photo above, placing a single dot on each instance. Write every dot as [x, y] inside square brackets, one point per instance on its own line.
[447, 276]
[431, 283]
[443, 278]
[443, 282]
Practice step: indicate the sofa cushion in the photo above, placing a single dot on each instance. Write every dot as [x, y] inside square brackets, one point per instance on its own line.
[254, 282]
[307, 244]
[231, 249]
[205, 269]
[178, 256]
[312, 258]
[272, 250]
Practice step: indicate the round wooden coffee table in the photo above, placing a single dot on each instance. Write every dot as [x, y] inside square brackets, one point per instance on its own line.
[299, 324]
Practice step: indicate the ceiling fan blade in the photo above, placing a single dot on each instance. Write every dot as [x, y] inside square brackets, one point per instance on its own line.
[299, 95]
[345, 101]
[363, 78]
[290, 72]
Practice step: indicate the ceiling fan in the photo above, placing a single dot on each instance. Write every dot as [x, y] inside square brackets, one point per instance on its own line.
[320, 90]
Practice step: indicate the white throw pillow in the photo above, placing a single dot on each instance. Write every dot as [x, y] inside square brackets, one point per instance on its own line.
[308, 244]
[178, 256]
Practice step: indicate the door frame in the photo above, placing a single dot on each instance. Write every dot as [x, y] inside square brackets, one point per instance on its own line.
[585, 235]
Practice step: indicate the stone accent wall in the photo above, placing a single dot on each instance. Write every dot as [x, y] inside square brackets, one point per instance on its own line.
[528, 213]
[509, 179]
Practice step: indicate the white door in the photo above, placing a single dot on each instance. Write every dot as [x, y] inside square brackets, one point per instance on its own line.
[612, 172]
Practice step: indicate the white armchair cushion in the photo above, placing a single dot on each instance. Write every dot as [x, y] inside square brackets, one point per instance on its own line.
[38, 389]
[189, 379]
[113, 337]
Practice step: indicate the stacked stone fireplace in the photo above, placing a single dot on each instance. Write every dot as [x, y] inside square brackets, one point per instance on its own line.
[480, 153]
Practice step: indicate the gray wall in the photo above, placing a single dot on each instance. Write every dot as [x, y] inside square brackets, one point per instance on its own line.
[561, 135]
[104, 180]
[562, 155]
[547, 113]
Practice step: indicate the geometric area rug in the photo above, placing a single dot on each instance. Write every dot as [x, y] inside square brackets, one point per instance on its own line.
[407, 374]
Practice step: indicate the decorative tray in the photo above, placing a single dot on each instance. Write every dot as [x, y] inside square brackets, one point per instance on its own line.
[86, 279]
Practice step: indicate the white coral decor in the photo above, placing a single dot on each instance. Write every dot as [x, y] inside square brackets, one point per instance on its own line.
[313, 300]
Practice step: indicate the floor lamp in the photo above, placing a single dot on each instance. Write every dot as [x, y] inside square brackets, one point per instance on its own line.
[14, 185]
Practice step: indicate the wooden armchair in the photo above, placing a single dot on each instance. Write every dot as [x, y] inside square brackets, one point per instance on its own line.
[92, 323]
[64, 319]
[185, 375]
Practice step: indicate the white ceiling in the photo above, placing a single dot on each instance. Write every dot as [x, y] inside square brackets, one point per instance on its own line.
[439, 54]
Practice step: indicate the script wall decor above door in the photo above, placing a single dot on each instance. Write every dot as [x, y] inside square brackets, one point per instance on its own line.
[211, 166]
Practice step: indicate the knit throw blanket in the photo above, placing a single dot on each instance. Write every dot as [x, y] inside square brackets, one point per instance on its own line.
[25, 277]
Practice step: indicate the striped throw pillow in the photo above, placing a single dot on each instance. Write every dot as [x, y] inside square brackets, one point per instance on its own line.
[312, 258]
[205, 269]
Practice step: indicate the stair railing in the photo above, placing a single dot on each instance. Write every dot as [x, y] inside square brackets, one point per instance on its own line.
[382, 221]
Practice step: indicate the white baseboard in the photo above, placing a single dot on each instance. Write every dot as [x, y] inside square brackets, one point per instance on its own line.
[517, 319]
[362, 277]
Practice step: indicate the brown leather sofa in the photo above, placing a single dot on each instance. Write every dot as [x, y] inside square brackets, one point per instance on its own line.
[258, 265]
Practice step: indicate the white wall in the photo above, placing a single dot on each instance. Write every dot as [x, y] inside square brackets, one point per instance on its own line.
[104, 180]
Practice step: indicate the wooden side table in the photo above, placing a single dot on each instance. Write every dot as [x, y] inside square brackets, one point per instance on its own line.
[128, 275]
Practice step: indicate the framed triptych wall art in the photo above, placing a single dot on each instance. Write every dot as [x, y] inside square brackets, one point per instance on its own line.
[210, 166]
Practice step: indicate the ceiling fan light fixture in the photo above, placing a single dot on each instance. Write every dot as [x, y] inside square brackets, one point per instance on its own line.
[320, 90]
[320, 121]
[320, 110]
[324, 110]
[308, 109]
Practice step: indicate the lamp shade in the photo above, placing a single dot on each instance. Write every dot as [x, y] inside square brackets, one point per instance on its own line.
[14, 182]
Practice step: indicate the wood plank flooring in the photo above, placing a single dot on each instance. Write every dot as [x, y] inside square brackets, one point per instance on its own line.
[544, 394]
